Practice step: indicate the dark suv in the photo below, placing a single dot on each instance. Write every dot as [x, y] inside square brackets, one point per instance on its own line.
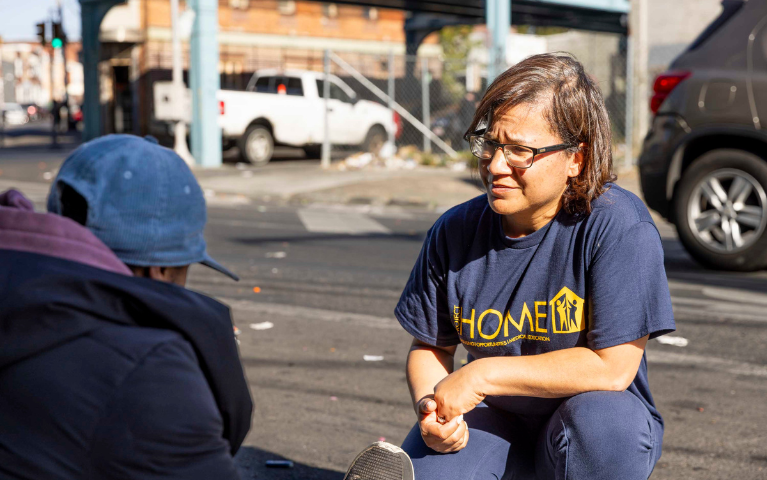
[704, 161]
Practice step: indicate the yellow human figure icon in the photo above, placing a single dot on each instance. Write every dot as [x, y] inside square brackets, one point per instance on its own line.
[569, 310]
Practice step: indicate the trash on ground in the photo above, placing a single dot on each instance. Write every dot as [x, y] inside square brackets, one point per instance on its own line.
[381, 439]
[261, 326]
[332, 349]
[256, 289]
[701, 409]
[333, 398]
[373, 358]
[387, 150]
[275, 270]
[360, 160]
[672, 340]
[209, 193]
[279, 464]
[48, 175]
[276, 255]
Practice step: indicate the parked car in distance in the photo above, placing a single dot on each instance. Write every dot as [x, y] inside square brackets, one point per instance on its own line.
[704, 161]
[286, 107]
[14, 114]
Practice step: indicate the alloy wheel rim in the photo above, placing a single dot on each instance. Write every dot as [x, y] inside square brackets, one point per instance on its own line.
[258, 146]
[726, 211]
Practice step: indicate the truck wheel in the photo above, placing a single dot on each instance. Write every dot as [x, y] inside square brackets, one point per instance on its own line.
[721, 210]
[375, 139]
[257, 145]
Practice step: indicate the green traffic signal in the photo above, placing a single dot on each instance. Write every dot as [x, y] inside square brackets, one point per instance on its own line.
[56, 43]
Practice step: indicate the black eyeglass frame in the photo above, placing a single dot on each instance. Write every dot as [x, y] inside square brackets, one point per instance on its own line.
[502, 146]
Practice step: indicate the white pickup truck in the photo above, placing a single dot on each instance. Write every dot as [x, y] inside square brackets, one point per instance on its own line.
[286, 107]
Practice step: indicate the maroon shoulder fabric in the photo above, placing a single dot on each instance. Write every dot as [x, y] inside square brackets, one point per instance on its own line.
[23, 230]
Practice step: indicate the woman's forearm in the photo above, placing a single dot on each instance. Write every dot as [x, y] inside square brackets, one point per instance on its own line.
[560, 373]
[426, 366]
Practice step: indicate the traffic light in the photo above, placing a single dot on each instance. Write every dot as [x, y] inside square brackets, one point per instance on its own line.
[57, 40]
[41, 33]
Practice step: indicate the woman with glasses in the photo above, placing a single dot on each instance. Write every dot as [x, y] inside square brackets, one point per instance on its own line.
[553, 281]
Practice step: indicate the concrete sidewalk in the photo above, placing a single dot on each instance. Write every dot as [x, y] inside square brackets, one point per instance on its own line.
[304, 182]
[424, 188]
[293, 182]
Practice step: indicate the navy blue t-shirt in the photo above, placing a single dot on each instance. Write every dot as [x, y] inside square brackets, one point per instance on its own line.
[591, 281]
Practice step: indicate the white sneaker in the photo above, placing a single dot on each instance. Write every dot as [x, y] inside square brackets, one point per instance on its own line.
[381, 461]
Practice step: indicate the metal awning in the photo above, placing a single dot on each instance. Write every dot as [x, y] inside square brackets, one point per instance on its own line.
[596, 15]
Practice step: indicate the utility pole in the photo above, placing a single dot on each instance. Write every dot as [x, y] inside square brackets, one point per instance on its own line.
[179, 90]
[498, 22]
[60, 38]
[638, 24]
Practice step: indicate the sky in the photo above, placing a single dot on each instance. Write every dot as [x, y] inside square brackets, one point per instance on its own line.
[19, 17]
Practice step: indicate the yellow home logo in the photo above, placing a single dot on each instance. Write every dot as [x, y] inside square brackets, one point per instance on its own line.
[567, 312]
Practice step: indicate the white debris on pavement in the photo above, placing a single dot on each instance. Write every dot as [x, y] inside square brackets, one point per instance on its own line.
[388, 150]
[373, 358]
[276, 255]
[671, 340]
[262, 326]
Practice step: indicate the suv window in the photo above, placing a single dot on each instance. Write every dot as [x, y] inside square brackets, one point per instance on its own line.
[276, 84]
[729, 9]
[336, 92]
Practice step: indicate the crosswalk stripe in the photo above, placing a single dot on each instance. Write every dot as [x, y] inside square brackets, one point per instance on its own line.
[349, 223]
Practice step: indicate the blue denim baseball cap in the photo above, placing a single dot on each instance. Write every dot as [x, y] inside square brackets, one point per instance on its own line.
[144, 203]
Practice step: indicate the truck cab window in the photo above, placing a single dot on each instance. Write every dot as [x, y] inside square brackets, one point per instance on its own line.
[262, 85]
[336, 92]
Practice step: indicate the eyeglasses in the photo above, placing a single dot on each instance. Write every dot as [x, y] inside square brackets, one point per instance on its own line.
[517, 156]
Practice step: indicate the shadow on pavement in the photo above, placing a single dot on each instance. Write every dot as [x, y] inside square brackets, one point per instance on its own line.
[251, 463]
[681, 266]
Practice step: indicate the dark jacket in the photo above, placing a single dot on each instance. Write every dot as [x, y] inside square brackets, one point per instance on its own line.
[103, 375]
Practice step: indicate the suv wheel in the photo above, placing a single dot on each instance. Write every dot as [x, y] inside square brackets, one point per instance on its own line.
[721, 210]
[257, 145]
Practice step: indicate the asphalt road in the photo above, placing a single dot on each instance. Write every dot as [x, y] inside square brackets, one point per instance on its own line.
[330, 298]
[327, 281]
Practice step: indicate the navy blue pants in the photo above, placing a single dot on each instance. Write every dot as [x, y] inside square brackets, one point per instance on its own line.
[594, 436]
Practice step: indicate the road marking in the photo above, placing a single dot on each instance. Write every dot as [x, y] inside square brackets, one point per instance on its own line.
[349, 223]
[313, 314]
[379, 211]
[254, 224]
[706, 362]
[703, 309]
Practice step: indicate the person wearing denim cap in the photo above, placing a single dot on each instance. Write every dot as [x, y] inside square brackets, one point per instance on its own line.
[103, 373]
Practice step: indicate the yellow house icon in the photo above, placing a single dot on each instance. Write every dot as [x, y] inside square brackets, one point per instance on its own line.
[567, 312]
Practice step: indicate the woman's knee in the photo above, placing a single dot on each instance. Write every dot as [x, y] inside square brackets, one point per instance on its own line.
[606, 417]
[600, 435]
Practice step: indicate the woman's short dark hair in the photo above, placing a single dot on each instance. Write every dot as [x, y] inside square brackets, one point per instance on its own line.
[575, 111]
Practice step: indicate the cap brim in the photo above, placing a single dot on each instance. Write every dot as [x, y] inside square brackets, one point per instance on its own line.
[209, 262]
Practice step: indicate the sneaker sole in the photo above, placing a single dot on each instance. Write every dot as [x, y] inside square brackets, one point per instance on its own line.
[381, 461]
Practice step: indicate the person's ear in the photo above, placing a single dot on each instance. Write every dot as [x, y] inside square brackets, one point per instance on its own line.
[158, 273]
[576, 163]
[176, 275]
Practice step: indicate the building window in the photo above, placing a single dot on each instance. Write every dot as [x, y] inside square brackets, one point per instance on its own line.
[330, 10]
[286, 7]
